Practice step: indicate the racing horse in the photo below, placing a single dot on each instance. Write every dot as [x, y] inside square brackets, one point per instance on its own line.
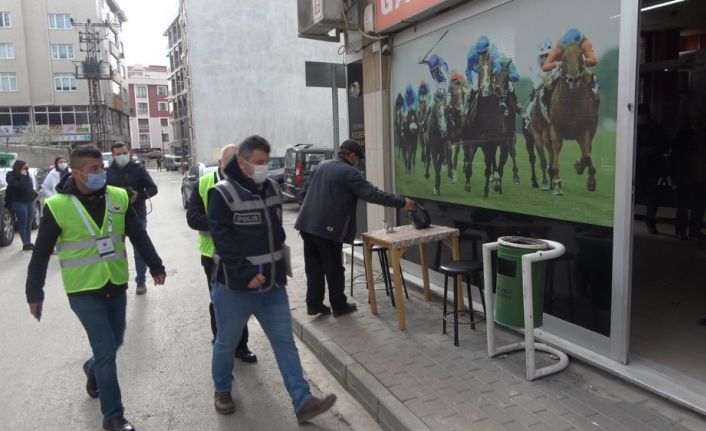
[456, 122]
[437, 139]
[399, 125]
[484, 125]
[508, 104]
[573, 114]
[410, 136]
[535, 129]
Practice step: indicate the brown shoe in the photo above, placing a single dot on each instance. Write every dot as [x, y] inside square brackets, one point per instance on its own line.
[223, 403]
[314, 407]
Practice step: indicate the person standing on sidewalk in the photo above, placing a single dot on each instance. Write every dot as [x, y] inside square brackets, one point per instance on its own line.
[159, 164]
[19, 197]
[54, 177]
[245, 220]
[87, 222]
[327, 219]
[197, 219]
[132, 176]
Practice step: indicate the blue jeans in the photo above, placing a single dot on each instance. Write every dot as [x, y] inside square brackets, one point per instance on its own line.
[24, 211]
[104, 322]
[271, 308]
[140, 266]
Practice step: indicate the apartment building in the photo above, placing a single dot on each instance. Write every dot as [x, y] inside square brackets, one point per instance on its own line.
[181, 116]
[150, 127]
[41, 100]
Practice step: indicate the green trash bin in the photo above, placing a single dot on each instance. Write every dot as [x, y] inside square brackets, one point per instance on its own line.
[6, 159]
[509, 308]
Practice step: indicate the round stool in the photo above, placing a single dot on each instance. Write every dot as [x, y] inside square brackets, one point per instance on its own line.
[466, 269]
[384, 266]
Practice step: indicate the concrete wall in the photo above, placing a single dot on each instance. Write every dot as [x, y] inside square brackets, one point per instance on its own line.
[247, 76]
[37, 157]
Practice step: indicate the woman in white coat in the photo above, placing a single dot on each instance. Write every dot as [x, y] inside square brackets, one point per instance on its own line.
[61, 169]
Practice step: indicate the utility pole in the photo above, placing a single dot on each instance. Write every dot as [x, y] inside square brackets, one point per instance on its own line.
[94, 70]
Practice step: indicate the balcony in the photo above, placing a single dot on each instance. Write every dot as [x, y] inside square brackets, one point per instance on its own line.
[116, 76]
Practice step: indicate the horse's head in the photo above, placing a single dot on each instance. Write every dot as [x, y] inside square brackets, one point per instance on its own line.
[485, 78]
[572, 66]
[502, 81]
[411, 122]
[437, 120]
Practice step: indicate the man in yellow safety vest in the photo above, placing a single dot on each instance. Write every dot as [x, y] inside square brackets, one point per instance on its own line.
[87, 223]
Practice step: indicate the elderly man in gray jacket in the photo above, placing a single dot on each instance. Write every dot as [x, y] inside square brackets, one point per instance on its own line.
[327, 219]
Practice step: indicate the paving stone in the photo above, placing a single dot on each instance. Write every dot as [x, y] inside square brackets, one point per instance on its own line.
[401, 392]
[555, 422]
[638, 411]
[540, 427]
[521, 415]
[663, 424]
[577, 406]
[497, 414]
[488, 425]
[606, 423]
[395, 416]
[423, 408]
[581, 422]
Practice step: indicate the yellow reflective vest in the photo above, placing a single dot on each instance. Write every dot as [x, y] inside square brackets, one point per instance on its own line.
[82, 266]
[206, 246]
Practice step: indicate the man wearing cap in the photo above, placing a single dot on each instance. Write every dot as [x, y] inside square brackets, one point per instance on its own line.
[327, 219]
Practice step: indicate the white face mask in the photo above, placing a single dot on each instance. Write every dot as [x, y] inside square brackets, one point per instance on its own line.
[259, 174]
[62, 166]
[122, 160]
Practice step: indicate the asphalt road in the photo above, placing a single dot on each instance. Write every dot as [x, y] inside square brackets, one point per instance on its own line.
[164, 365]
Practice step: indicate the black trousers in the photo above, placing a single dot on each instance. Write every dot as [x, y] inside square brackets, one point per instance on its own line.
[323, 261]
[207, 264]
[691, 205]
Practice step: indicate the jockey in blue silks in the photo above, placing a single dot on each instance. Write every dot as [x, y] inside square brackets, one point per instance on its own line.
[439, 70]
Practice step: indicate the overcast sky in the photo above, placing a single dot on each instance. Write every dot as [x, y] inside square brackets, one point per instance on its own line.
[142, 33]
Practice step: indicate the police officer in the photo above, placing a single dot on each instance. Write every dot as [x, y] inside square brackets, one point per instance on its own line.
[198, 220]
[245, 220]
[88, 222]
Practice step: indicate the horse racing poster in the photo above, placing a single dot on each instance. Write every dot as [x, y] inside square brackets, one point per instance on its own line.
[512, 109]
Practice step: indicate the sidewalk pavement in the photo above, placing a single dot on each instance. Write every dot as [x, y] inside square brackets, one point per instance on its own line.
[418, 380]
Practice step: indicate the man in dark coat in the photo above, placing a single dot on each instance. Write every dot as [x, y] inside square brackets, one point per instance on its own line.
[125, 173]
[327, 219]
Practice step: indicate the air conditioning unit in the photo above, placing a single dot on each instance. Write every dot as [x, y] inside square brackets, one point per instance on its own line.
[326, 19]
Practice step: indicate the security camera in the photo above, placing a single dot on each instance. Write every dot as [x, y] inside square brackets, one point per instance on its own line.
[386, 50]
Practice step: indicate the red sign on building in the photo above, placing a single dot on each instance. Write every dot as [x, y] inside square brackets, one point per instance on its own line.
[391, 12]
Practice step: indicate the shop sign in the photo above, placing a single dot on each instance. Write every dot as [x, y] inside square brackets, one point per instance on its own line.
[73, 138]
[391, 12]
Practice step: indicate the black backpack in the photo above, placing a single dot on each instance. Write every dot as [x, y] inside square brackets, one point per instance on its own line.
[419, 217]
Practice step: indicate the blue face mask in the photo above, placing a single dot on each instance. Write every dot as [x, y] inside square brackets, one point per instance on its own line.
[95, 181]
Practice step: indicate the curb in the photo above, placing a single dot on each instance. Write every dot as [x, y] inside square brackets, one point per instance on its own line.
[388, 411]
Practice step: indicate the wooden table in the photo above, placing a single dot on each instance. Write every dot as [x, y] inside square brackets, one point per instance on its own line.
[398, 242]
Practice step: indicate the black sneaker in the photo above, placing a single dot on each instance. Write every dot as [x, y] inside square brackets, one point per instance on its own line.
[349, 308]
[318, 309]
[117, 424]
[91, 385]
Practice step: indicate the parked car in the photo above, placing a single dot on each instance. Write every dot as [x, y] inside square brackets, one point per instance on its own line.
[298, 162]
[192, 177]
[172, 163]
[107, 159]
[275, 169]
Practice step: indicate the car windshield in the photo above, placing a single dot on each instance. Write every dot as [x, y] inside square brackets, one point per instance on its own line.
[275, 163]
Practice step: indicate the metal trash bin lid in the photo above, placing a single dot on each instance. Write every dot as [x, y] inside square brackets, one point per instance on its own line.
[523, 242]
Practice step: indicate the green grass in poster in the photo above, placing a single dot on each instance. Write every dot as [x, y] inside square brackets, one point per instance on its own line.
[577, 204]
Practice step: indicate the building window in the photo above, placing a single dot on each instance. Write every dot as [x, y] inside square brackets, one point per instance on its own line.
[142, 109]
[162, 106]
[164, 122]
[7, 51]
[141, 91]
[60, 21]
[8, 81]
[62, 51]
[161, 90]
[144, 140]
[143, 124]
[65, 82]
[5, 20]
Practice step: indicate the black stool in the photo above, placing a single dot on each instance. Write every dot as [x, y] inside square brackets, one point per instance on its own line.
[464, 236]
[384, 265]
[466, 269]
